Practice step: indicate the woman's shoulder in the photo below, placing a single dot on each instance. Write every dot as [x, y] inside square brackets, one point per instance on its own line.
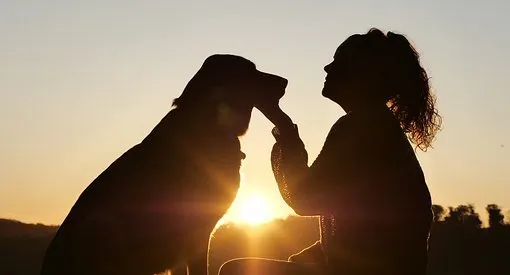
[366, 121]
[348, 132]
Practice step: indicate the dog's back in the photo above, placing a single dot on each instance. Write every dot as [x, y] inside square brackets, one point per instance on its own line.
[157, 204]
[152, 204]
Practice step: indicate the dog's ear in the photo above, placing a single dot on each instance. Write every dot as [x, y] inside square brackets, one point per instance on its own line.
[213, 79]
[201, 88]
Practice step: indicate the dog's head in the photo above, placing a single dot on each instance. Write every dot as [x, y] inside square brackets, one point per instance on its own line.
[230, 86]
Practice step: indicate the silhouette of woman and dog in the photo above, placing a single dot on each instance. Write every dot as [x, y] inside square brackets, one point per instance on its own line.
[153, 209]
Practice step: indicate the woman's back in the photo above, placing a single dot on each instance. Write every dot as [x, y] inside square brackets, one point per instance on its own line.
[366, 184]
[379, 203]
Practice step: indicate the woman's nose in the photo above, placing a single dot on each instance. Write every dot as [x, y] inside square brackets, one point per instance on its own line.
[326, 68]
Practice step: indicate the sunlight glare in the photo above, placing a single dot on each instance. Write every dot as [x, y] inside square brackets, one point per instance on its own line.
[255, 210]
[256, 204]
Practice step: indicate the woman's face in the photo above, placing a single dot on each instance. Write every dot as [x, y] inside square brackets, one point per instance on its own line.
[340, 72]
[356, 75]
[332, 85]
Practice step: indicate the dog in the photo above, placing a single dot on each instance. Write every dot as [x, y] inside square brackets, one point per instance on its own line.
[154, 208]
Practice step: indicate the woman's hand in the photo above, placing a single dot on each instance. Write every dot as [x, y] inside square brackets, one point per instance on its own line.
[311, 254]
[276, 115]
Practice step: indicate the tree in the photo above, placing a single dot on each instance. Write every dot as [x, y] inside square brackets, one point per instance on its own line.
[496, 219]
[438, 211]
[464, 215]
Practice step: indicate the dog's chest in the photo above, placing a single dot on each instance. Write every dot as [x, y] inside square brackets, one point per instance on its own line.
[210, 164]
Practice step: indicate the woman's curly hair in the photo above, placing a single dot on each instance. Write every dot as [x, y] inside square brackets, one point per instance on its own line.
[410, 99]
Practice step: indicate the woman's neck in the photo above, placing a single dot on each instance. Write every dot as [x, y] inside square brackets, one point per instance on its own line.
[365, 107]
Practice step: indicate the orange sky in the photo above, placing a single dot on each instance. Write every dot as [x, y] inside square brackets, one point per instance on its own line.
[82, 83]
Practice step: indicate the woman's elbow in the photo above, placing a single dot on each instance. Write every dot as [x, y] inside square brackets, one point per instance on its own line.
[303, 212]
[304, 208]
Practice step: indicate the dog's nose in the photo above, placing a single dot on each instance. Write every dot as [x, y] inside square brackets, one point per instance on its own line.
[284, 82]
[275, 83]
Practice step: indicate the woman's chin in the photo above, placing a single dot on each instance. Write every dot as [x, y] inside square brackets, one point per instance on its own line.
[326, 92]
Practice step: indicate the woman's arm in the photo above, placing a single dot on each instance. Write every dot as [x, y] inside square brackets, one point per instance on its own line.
[304, 188]
[307, 189]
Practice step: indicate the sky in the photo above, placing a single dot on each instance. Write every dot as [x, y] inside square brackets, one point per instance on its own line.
[83, 81]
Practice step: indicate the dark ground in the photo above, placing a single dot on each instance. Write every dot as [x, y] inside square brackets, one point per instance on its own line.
[458, 243]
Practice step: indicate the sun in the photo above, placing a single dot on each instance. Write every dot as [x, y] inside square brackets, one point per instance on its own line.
[255, 210]
[251, 209]
[256, 204]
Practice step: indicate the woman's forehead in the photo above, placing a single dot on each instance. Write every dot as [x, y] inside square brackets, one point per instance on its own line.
[352, 42]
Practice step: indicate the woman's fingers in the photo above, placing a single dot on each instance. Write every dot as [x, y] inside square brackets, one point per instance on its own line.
[277, 116]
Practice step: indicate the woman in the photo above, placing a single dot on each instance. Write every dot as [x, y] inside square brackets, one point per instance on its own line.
[366, 185]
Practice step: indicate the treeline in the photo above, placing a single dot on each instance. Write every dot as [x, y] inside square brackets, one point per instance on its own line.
[459, 244]
[22, 246]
